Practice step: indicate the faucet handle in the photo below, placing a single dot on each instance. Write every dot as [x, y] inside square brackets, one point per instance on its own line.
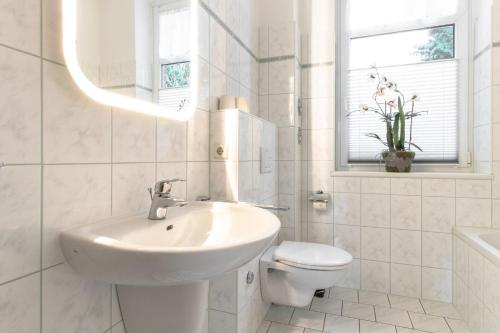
[165, 186]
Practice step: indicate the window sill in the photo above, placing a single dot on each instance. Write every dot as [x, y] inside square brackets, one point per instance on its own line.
[432, 175]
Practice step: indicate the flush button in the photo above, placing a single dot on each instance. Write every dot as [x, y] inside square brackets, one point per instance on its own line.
[250, 277]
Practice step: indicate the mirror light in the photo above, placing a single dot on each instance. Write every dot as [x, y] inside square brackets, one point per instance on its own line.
[70, 27]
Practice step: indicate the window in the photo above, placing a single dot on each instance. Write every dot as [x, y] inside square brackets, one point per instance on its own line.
[423, 47]
[172, 54]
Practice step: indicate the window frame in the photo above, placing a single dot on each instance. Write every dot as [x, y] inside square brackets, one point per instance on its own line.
[464, 57]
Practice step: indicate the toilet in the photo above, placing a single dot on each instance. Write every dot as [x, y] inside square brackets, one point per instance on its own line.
[292, 272]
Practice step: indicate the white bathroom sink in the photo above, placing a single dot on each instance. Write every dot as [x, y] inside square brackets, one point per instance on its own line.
[194, 243]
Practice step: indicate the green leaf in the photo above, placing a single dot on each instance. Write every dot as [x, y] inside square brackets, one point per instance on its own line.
[401, 143]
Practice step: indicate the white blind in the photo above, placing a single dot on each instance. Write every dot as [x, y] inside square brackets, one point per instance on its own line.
[174, 35]
[435, 132]
[172, 98]
[368, 16]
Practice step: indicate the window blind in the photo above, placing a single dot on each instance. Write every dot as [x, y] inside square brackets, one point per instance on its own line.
[435, 132]
[173, 97]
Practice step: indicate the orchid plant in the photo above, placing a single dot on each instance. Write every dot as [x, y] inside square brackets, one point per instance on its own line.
[390, 104]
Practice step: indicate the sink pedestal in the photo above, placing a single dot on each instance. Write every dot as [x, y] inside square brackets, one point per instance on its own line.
[176, 309]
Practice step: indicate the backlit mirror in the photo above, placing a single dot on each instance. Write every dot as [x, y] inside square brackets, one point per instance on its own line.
[139, 55]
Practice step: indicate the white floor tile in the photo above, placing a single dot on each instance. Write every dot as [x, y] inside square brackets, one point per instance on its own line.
[308, 319]
[372, 327]
[327, 305]
[264, 327]
[360, 311]
[440, 309]
[458, 326]
[279, 314]
[337, 324]
[406, 303]
[345, 294]
[429, 323]
[280, 328]
[373, 298]
[406, 330]
[312, 331]
[393, 316]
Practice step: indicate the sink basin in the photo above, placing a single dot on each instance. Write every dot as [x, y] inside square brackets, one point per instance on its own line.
[194, 243]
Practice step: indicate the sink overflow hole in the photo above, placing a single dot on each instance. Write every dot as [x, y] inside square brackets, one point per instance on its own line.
[170, 227]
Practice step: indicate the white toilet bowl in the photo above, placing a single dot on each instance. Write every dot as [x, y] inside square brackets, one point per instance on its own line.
[292, 272]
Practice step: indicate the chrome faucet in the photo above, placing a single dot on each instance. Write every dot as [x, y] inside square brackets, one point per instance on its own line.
[161, 199]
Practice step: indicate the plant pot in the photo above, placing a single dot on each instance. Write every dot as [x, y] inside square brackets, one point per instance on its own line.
[398, 161]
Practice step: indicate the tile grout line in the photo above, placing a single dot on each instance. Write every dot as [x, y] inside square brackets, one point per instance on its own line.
[42, 168]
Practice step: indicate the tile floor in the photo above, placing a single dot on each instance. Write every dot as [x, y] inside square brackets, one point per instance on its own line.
[351, 311]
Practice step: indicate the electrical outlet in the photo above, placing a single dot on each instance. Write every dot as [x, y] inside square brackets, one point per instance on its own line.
[220, 151]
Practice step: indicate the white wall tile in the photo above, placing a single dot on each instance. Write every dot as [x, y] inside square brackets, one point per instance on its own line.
[319, 145]
[467, 188]
[371, 185]
[375, 276]
[286, 177]
[347, 185]
[475, 272]
[20, 25]
[492, 287]
[351, 277]
[436, 284]
[52, 31]
[286, 143]
[218, 37]
[171, 141]
[438, 214]
[406, 212]
[223, 293]
[20, 225]
[320, 233]
[473, 212]
[347, 208]
[281, 77]
[281, 110]
[282, 39]
[406, 247]
[20, 117]
[348, 238]
[130, 184]
[320, 113]
[375, 210]
[75, 304]
[375, 244]
[438, 187]
[73, 195]
[217, 87]
[406, 186]
[318, 176]
[198, 176]
[198, 137]
[436, 250]
[133, 137]
[20, 305]
[406, 280]
[75, 129]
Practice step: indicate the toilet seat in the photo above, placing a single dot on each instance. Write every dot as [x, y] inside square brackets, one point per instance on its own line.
[311, 256]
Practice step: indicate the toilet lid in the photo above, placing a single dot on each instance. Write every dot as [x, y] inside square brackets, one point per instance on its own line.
[311, 256]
